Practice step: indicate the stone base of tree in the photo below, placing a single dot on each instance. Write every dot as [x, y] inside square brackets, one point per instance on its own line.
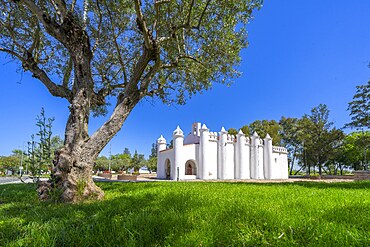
[361, 175]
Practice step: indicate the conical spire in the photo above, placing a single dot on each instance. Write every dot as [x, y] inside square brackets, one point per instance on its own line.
[178, 131]
[161, 139]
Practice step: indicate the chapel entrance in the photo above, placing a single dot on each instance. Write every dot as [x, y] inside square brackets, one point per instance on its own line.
[190, 168]
[168, 169]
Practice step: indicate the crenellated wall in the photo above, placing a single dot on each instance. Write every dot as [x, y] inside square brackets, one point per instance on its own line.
[210, 155]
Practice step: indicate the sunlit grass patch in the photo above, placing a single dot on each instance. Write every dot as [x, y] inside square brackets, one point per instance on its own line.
[192, 214]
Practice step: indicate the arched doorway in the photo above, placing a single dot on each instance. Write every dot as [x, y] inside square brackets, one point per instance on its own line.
[190, 168]
[168, 168]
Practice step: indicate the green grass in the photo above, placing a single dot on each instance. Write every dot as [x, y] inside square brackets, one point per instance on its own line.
[192, 214]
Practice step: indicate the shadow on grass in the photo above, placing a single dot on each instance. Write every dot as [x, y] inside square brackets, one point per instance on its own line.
[131, 218]
[365, 184]
[161, 214]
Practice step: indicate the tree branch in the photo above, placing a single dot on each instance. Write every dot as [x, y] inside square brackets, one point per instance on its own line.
[189, 15]
[99, 28]
[204, 11]
[10, 52]
[142, 24]
[56, 90]
[148, 78]
[60, 7]
[119, 55]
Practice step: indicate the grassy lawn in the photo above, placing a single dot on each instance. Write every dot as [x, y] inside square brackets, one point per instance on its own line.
[192, 214]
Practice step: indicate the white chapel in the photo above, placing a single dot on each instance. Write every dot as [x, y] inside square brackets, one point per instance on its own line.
[210, 155]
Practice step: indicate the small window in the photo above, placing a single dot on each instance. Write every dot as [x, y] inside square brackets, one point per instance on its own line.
[275, 160]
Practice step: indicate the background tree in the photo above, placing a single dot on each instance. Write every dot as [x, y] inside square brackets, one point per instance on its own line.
[40, 152]
[11, 162]
[232, 131]
[56, 143]
[152, 161]
[127, 151]
[101, 163]
[121, 162]
[319, 138]
[152, 164]
[265, 127]
[137, 161]
[351, 153]
[360, 114]
[246, 130]
[86, 52]
[289, 137]
[360, 108]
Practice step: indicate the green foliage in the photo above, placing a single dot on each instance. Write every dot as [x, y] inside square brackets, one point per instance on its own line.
[192, 214]
[152, 163]
[319, 138]
[232, 131]
[137, 161]
[289, 133]
[360, 108]
[353, 152]
[127, 151]
[10, 163]
[81, 185]
[265, 127]
[120, 162]
[195, 43]
[40, 151]
[101, 163]
[246, 130]
[153, 151]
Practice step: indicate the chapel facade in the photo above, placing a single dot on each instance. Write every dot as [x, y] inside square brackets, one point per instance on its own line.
[210, 155]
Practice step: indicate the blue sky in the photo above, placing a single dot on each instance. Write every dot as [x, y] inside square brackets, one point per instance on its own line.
[301, 54]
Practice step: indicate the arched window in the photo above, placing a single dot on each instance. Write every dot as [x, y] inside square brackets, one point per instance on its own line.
[190, 168]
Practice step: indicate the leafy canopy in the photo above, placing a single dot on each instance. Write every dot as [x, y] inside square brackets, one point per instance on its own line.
[191, 44]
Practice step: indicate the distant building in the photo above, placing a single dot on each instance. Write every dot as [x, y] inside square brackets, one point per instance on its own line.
[211, 155]
[142, 170]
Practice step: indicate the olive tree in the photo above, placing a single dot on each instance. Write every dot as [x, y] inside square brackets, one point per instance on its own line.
[84, 52]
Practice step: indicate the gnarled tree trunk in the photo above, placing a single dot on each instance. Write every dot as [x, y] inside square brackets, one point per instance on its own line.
[71, 179]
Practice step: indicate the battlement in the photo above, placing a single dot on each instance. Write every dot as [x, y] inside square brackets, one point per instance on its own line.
[206, 154]
[277, 149]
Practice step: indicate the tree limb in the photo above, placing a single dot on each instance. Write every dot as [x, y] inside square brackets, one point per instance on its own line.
[99, 28]
[142, 24]
[10, 52]
[55, 90]
[119, 55]
[203, 12]
[189, 15]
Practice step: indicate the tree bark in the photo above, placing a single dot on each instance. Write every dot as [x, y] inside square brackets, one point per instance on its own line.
[71, 178]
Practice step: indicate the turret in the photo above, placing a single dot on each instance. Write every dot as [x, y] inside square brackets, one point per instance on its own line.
[161, 144]
[178, 144]
[254, 155]
[204, 152]
[221, 171]
[267, 157]
[242, 156]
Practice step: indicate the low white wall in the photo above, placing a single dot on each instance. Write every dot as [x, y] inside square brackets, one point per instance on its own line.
[161, 162]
